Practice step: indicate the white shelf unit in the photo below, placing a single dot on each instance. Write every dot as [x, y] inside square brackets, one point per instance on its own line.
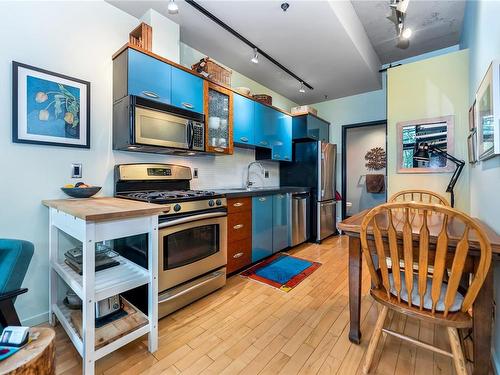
[94, 286]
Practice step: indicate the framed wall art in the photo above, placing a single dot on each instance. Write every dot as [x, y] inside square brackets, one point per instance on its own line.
[49, 108]
[437, 131]
[487, 113]
[472, 117]
[472, 147]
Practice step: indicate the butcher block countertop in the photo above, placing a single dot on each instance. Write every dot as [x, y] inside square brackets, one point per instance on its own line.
[105, 208]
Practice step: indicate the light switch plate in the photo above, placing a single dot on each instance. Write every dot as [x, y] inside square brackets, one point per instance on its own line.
[195, 172]
[266, 174]
[76, 170]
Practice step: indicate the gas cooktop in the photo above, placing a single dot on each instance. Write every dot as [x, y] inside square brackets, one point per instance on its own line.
[168, 196]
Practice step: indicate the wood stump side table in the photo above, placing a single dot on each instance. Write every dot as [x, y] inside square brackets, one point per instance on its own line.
[36, 358]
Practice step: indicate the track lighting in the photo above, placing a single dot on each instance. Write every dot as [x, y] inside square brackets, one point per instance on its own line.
[255, 58]
[406, 34]
[172, 7]
[302, 89]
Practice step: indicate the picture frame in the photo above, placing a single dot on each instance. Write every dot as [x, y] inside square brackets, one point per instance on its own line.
[438, 131]
[472, 147]
[472, 117]
[487, 113]
[49, 108]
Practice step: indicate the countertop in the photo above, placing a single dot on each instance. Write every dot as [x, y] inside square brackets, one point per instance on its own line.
[105, 208]
[266, 190]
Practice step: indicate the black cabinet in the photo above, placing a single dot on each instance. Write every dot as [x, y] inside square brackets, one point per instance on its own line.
[310, 127]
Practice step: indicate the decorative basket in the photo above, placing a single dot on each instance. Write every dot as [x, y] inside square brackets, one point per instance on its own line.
[263, 98]
[304, 109]
[213, 71]
[142, 36]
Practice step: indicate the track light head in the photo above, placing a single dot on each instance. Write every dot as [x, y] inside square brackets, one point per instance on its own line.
[255, 58]
[172, 7]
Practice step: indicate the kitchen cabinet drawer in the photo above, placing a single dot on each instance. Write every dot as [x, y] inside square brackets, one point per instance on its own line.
[239, 255]
[187, 90]
[149, 77]
[239, 204]
[239, 226]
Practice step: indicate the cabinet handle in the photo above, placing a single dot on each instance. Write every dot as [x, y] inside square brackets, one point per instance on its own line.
[237, 255]
[277, 156]
[244, 139]
[151, 94]
[281, 196]
[262, 199]
[263, 143]
[238, 226]
[313, 136]
[287, 158]
[218, 149]
[237, 204]
[187, 105]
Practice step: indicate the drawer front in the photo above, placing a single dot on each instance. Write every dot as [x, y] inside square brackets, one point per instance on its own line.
[239, 255]
[239, 226]
[239, 205]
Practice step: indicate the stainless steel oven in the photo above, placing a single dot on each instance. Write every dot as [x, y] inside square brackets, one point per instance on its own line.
[192, 258]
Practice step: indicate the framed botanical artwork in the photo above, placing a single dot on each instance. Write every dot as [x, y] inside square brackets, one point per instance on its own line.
[487, 113]
[412, 135]
[472, 117]
[49, 108]
[472, 147]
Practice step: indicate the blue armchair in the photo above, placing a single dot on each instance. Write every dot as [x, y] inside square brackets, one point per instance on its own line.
[15, 257]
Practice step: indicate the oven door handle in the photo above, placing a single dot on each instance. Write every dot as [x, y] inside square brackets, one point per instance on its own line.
[169, 296]
[191, 218]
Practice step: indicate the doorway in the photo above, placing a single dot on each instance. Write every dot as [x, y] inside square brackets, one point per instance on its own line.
[364, 173]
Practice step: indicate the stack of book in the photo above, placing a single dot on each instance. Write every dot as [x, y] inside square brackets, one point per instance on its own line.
[104, 258]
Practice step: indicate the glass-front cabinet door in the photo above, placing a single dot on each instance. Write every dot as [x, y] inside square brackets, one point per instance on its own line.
[219, 119]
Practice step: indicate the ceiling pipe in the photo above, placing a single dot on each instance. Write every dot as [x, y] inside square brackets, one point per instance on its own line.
[228, 28]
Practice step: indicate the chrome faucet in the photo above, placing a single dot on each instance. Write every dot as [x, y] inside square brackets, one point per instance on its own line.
[250, 183]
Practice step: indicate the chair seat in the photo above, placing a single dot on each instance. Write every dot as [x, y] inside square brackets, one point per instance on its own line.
[415, 297]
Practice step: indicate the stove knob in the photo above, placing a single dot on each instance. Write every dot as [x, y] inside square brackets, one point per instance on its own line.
[211, 202]
[218, 202]
[177, 207]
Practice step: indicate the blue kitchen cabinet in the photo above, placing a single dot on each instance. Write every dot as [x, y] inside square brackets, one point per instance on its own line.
[262, 227]
[282, 143]
[187, 90]
[148, 77]
[243, 120]
[310, 127]
[265, 125]
[281, 210]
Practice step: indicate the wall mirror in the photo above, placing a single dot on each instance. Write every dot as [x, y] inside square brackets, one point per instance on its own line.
[437, 132]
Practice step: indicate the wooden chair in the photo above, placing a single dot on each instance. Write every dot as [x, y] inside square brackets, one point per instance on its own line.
[423, 196]
[400, 231]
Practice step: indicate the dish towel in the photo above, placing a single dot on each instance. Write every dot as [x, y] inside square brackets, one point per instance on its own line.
[375, 183]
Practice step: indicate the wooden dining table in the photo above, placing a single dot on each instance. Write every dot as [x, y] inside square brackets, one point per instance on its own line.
[483, 305]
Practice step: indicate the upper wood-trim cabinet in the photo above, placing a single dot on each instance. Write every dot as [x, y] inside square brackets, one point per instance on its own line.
[218, 119]
[136, 73]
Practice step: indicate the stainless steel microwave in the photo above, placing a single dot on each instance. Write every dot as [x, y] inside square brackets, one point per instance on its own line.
[145, 125]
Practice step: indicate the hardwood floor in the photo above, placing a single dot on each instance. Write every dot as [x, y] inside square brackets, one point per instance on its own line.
[251, 328]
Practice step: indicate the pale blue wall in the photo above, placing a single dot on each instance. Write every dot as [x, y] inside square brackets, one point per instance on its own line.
[366, 107]
[481, 35]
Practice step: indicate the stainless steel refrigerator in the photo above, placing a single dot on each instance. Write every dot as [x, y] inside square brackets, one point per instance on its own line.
[314, 165]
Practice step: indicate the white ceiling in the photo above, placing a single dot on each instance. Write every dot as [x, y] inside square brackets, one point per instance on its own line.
[322, 41]
[435, 25]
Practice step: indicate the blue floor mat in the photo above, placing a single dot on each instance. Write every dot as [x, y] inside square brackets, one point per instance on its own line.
[283, 269]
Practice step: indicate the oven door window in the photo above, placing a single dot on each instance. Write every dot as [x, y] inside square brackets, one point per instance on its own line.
[190, 245]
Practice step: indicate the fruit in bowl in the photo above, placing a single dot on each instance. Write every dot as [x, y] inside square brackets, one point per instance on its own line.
[80, 190]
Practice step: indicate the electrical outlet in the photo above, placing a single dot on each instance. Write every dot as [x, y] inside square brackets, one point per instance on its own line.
[266, 174]
[76, 170]
[195, 172]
